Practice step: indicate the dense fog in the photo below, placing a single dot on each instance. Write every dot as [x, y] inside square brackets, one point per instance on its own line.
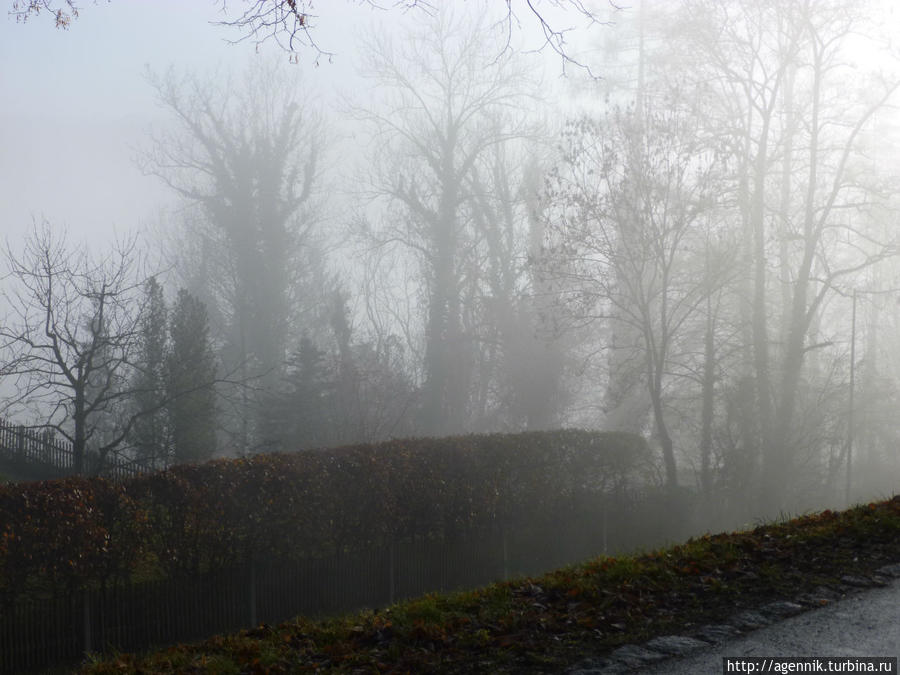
[676, 219]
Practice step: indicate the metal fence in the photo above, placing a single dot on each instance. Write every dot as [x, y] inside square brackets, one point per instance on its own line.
[39, 452]
[36, 634]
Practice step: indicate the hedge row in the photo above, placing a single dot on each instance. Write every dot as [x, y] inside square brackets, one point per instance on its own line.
[61, 535]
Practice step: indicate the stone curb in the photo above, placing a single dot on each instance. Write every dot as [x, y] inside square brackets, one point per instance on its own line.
[631, 658]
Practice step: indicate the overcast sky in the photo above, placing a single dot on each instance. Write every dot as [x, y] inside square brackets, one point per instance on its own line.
[74, 103]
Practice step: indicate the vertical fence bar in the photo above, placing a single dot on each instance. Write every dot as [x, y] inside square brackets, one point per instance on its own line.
[392, 571]
[42, 447]
[86, 614]
[251, 583]
[505, 545]
[20, 443]
[189, 607]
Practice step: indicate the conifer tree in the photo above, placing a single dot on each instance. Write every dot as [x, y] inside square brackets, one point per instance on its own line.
[151, 430]
[191, 374]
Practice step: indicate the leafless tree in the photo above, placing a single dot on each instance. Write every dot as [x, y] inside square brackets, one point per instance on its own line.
[63, 12]
[634, 195]
[245, 159]
[71, 336]
[292, 23]
[447, 104]
[71, 344]
[772, 72]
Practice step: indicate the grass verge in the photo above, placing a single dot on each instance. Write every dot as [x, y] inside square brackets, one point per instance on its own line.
[547, 623]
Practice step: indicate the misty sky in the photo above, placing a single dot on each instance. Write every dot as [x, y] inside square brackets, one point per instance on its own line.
[75, 104]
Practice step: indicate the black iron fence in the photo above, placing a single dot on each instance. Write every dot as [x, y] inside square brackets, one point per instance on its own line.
[36, 634]
[39, 453]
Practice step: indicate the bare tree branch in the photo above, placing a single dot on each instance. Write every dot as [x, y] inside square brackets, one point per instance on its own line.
[292, 24]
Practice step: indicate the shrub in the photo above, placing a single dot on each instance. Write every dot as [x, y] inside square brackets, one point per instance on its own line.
[197, 518]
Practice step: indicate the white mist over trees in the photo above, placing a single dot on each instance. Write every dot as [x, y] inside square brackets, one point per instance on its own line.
[770, 168]
[674, 249]
[637, 193]
[244, 158]
[450, 159]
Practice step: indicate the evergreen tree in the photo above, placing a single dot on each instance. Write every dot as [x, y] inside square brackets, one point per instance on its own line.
[151, 430]
[191, 374]
[311, 386]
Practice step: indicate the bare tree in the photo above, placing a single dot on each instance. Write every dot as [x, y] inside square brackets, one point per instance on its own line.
[71, 335]
[447, 104]
[518, 380]
[772, 72]
[292, 23]
[245, 159]
[634, 197]
[63, 12]
[73, 344]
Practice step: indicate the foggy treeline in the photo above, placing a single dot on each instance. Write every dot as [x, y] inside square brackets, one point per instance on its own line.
[699, 246]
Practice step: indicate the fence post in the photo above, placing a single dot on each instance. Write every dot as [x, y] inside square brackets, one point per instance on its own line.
[391, 565]
[505, 554]
[394, 571]
[605, 512]
[86, 617]
[251, 590]
[20, 442]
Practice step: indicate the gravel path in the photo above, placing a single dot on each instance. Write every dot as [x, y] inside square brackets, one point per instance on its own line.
[864, 623]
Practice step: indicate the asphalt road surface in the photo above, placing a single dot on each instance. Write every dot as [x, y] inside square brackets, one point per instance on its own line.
[862, 624]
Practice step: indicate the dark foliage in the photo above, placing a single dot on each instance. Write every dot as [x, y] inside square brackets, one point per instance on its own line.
[63, 535]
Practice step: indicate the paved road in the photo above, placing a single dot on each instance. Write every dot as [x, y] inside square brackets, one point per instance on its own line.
[863, 624]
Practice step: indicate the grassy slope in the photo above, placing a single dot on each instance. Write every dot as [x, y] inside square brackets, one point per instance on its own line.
[544, 624]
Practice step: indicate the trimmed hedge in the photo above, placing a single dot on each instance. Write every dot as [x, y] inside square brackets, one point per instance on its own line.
[77, 532]
[56, 536]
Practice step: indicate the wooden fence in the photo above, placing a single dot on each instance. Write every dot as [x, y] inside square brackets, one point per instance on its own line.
[39, 453]
[43, 633]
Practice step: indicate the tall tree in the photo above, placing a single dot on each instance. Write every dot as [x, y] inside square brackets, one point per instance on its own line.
[518, 380]
[299, 414]
[246, 157]
[191, 370]
[771, 72]
[447, 100]
[371, 393]
[150, 436]
[635, 193]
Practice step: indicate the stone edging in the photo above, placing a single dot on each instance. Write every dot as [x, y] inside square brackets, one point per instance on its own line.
[629, 658]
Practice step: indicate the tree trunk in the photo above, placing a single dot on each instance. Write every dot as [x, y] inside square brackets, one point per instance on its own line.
[78, 441]
[708, 392]
[441, 409]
